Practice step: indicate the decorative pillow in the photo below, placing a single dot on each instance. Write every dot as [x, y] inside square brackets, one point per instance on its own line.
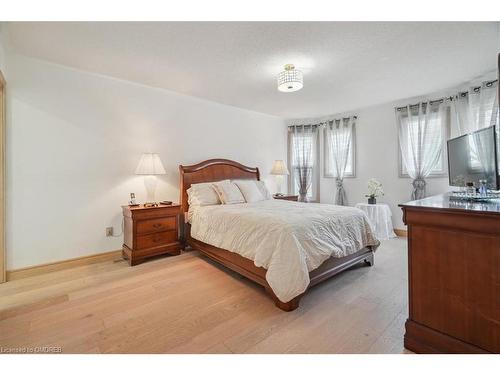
[228, 192]
[202, 194]
[250, 190]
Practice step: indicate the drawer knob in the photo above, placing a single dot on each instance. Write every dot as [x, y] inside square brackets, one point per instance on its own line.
[157, 225]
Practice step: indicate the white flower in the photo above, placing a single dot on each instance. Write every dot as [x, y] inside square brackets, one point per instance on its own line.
[374, 188]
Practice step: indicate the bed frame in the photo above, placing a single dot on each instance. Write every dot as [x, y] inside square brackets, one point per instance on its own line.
[222, 169]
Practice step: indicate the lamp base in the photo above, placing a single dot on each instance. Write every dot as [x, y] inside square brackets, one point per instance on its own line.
[150, 183]
[279, 182]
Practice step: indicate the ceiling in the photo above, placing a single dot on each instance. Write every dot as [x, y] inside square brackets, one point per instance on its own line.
[346, 65]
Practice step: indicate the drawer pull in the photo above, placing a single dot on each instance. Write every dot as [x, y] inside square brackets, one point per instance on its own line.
[157, 225]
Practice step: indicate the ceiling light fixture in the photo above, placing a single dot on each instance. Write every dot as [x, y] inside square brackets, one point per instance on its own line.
[290, 80]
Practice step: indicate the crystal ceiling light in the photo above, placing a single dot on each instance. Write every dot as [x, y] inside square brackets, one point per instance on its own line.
[290, 80]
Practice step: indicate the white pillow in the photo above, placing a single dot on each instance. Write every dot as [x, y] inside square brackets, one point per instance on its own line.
[228, 192]
[250, 190]
[202, 194]
[261, 186]
[263, 189]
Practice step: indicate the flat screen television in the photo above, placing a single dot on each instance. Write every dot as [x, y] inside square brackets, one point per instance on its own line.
[474, 157]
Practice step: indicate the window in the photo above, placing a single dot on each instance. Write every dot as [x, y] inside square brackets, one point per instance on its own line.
[477, 109]
[350, 170]
[303, 161]
[303, 150]
[488, 115]
[438, 128]
[303, 154]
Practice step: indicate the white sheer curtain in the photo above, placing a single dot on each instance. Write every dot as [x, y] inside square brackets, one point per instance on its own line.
[338, 135]
[476, 109]
[421, 130]
[303, 147]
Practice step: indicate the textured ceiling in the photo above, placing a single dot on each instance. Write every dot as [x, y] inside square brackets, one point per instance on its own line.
[346, 65]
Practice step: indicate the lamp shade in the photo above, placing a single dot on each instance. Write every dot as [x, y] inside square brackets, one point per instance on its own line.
[279, 168]
[150, 164]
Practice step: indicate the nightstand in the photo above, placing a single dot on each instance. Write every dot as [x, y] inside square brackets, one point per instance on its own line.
[150, 231]
[287, 197]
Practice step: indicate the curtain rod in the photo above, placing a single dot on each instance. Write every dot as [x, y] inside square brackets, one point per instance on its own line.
[320, 121]
[450, 98]
[424, 104]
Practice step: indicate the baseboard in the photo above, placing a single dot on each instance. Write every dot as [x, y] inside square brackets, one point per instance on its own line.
[41, 269]
[401, 232]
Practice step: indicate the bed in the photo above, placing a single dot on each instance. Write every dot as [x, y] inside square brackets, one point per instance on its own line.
[321, 268]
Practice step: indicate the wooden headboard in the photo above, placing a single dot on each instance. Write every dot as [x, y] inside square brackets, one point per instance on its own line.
[211, 171]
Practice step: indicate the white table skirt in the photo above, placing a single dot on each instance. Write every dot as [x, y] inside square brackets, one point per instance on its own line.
[380, 217]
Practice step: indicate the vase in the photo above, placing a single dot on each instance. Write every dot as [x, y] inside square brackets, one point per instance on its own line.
[372, 200]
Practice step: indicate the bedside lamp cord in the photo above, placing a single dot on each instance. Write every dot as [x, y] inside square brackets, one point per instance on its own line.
[121, 233]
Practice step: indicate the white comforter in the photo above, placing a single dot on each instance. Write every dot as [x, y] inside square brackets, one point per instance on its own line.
[289, 239]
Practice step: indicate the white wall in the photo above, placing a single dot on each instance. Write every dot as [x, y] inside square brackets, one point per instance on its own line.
[498, 38]
[74, 140]
[2, 48]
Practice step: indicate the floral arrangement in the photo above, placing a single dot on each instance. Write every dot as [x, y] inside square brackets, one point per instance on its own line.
[374, 188]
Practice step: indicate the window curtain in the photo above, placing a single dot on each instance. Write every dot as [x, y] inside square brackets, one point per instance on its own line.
[476, 109]
[420, 147]
[338, 135]
[303, 144]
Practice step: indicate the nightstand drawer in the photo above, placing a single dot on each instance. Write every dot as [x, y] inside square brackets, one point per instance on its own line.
[156, 225]
[156, 239]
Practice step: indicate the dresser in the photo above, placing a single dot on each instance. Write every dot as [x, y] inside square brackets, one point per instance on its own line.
[150, 231]
[453, 276]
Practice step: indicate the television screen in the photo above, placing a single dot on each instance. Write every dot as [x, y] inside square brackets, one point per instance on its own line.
[473, 157]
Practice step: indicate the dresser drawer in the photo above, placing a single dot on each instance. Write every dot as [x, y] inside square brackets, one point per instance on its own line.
[156, 239]
[156, 225]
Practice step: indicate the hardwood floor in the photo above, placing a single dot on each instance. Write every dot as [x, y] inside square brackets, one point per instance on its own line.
[187, 304]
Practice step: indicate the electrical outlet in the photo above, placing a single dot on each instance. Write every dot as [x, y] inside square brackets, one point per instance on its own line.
[109, 231]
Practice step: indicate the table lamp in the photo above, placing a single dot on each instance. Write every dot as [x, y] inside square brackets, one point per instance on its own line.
[279, 170]
[150, 166]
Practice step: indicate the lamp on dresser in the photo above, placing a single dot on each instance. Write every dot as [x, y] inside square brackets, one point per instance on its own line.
[279, 170]
[150, 166]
